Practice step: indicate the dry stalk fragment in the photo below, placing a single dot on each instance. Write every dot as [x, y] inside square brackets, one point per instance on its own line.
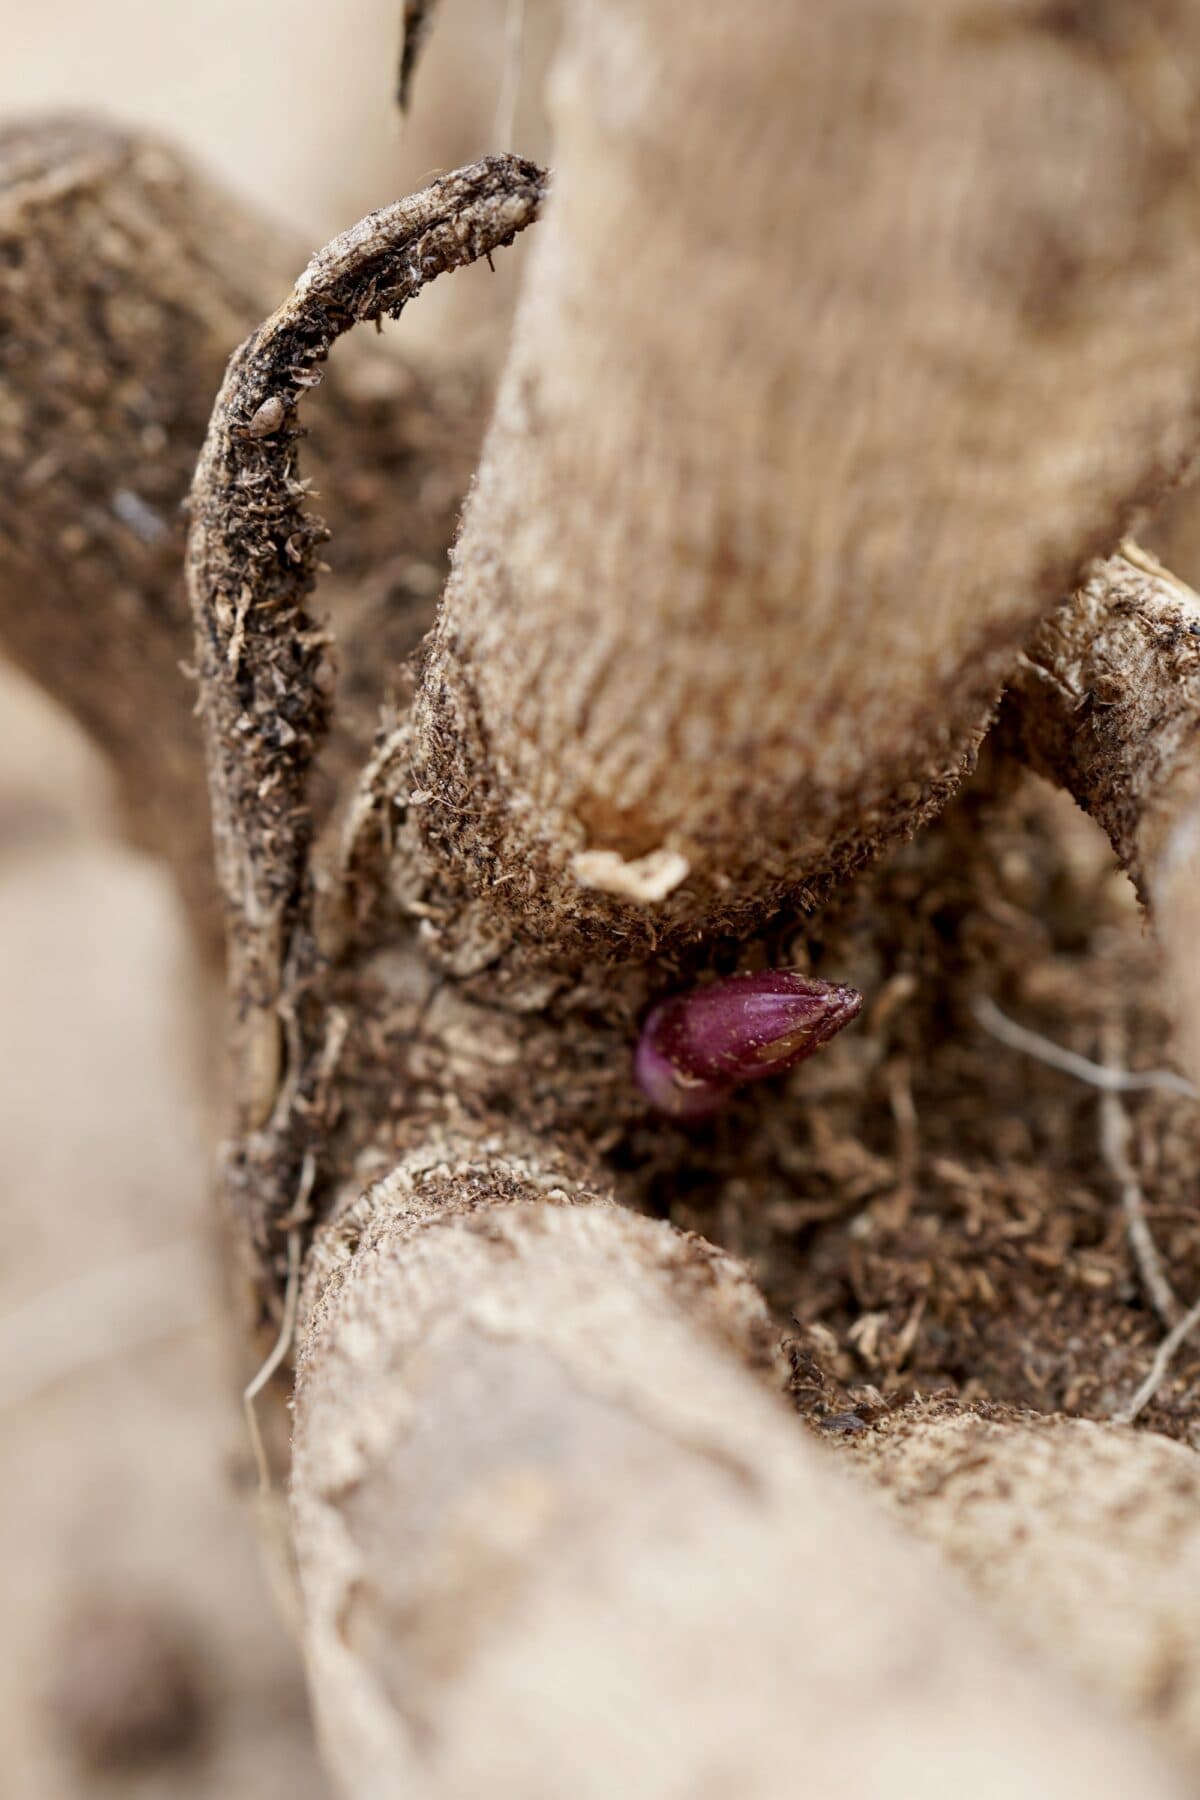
[263, 658]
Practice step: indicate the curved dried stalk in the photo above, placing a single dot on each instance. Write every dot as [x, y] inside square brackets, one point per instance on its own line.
[264, 667]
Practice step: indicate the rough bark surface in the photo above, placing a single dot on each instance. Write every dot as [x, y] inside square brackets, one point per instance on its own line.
[553, 1539]
[715, 629]
[1083, 1539]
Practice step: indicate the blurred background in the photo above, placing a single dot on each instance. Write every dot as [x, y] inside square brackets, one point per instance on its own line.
[143, 1651]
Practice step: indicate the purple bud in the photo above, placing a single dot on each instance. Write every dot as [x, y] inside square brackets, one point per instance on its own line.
[696, 1047]
[667, 1087]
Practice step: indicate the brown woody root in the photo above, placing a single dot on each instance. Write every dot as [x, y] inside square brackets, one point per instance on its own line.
[554, 1540]
[125, 282]
[1083, 1539]
[1107, 703]
[739, 580]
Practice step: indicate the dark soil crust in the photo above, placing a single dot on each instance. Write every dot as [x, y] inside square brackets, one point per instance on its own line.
[940, 1216]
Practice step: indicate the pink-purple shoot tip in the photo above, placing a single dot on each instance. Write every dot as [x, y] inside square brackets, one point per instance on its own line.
[697, 1047]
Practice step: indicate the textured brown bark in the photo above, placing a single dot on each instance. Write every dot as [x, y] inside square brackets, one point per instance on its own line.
[123, 283]
[808, 419]
[1107, 702]
[1030, 1511]
[554, 1540]
[265, 676]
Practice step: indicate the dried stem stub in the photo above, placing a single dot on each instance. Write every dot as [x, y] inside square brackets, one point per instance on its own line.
[264, 660]
[1106, 702]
